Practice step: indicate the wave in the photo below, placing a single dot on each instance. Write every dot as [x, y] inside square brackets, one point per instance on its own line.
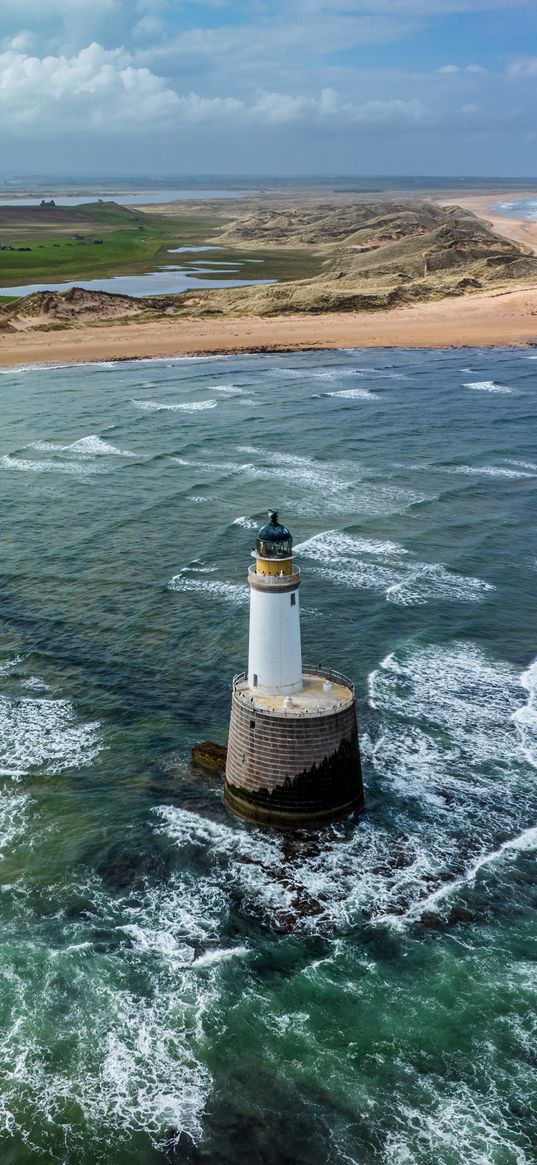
[7, 665]
[153, 406]
[525, 719]
[37, 734]
[198, 567]
[230, 592]
[522, 464]
[524, 842]
[131, 1030]
[488, 386]
[26, 465]
[21, 369]
[486, 471]
[331, 486]
[246, 522]
[388, 568]
[354, 393]
[335, 546]
[92, 446]
[14, 809]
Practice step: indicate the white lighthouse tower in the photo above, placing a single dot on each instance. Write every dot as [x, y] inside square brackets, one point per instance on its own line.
[292, 756]
[274, 655]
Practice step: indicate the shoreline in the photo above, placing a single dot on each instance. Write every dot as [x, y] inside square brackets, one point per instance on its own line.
[498, 319]
[520, 230]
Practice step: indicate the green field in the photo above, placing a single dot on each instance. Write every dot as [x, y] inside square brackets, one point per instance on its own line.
[104, 239]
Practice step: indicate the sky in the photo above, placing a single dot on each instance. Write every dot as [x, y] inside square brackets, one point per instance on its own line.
[268, 87]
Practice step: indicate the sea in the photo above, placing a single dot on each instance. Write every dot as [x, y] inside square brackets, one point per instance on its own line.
[178, 986]
[525, 208]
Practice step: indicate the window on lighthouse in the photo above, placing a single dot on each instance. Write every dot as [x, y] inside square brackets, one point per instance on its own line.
[275, 549]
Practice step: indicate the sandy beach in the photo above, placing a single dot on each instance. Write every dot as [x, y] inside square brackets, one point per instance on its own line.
[519, 229]
[488, 320]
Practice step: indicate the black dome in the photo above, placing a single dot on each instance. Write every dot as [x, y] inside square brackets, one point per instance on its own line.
[273, 531]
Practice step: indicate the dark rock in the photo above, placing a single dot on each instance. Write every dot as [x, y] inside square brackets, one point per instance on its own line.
[210, 756]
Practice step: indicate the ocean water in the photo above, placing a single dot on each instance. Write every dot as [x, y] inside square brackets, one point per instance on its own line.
[178, 986]
[518, 208]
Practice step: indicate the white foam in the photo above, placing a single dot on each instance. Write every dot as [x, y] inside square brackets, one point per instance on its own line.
[525, 719]
[220, 956]
[37, 733]
[198, 567]
[355, 394]
[387, 567]
[458, 1124]
[246, 523]
[330, 486]
[34, 684]
[523, 464]
[486, 471]
[337, 547]
[487, 386]
[20, 369]
[431, 582]
[13, 821]
[133, 1062]
[153, 406]
[229, 592]
[525, 842]
[228, 389]
[7, 666]
[92, 446]
[25, 465]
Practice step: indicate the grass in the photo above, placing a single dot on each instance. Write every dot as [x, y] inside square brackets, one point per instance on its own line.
[131, 242]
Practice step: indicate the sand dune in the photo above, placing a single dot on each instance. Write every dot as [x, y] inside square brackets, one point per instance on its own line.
[489, 319]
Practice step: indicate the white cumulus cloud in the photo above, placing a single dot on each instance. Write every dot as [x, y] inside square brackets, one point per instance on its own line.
[97, 89]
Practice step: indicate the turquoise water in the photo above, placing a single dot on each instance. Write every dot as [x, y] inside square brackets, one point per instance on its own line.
[178, 986]
[518, 208]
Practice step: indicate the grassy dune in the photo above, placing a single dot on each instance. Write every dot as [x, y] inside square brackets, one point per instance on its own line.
[131, 242]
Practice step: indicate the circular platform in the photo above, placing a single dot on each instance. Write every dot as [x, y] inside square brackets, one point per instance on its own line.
[294, 760]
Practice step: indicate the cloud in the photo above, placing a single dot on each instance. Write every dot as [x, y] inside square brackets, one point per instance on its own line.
[96, 89]
[275, 108]
[100, 90]
[462, 69]
[525, 67]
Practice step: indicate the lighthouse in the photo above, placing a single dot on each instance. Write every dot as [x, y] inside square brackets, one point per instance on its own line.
[293, 756]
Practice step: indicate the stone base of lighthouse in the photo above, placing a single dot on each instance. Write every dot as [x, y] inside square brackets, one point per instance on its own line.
[294, 761]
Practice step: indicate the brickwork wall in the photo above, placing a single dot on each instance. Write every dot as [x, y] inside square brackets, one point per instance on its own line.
[309, 764]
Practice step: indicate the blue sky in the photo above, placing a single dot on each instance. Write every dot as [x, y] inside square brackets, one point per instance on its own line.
[443, 87]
